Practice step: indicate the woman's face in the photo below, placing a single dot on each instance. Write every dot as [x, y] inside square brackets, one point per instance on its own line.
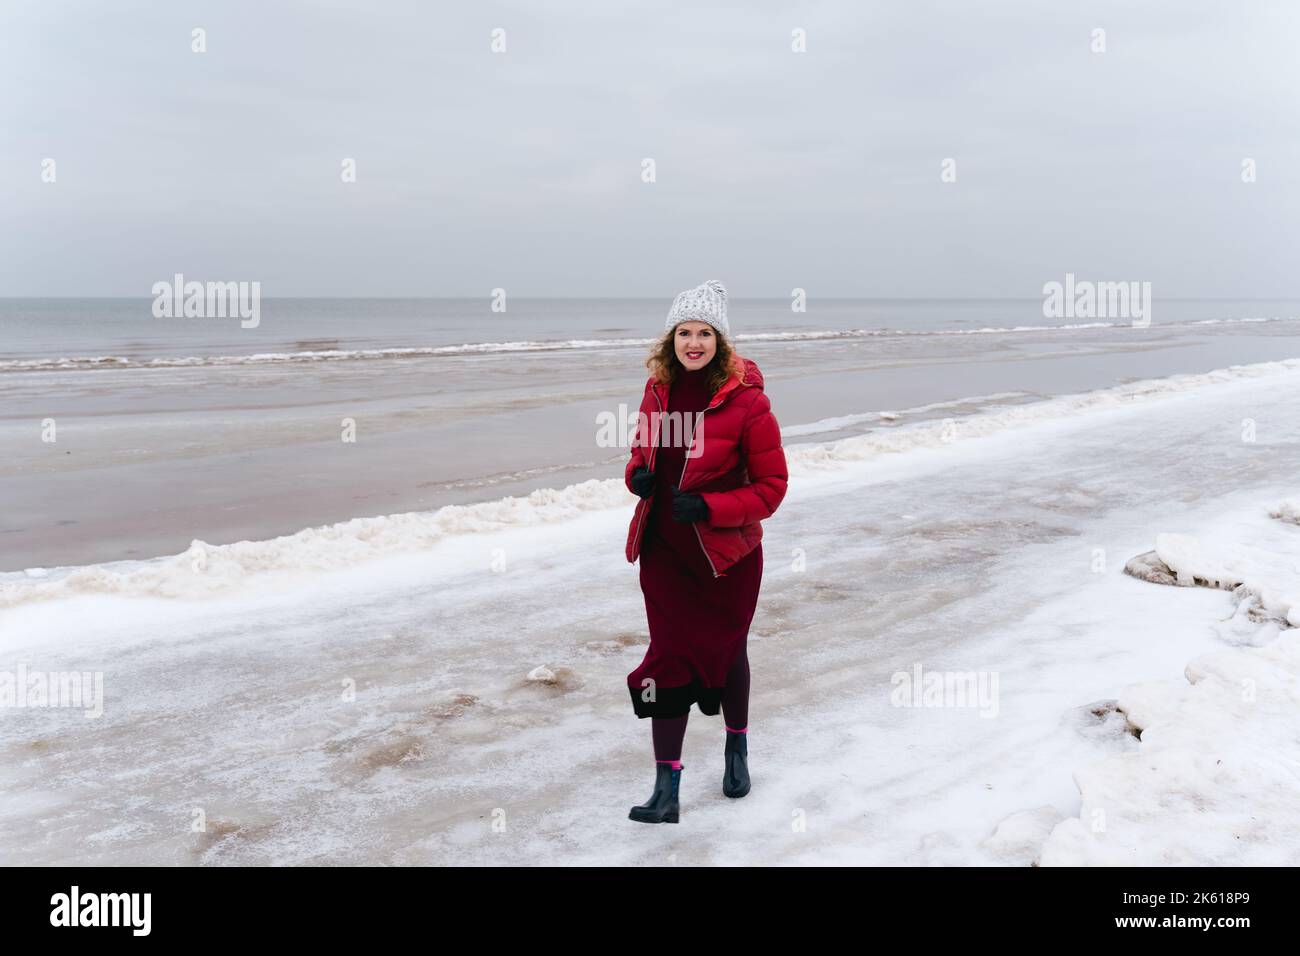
[696, 344]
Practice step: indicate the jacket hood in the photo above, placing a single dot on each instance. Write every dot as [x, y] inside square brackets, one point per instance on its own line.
[749, 377]
[752, 376]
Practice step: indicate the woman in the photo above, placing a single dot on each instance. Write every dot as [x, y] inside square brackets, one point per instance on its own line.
[708, 467]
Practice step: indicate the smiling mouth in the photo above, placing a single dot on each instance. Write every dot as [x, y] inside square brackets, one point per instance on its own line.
[694, 355]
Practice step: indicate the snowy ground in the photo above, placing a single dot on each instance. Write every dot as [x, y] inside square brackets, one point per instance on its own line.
[994, 547]
[1215, 779]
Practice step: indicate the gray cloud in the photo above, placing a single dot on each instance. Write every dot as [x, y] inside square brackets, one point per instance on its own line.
[775, 169]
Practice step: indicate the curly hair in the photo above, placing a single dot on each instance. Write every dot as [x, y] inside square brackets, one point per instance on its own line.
[665, 366]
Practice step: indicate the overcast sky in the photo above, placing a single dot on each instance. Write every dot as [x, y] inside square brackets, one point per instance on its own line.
[775, 169]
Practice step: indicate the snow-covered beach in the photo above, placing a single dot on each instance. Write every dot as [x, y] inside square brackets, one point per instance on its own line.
[447, 687]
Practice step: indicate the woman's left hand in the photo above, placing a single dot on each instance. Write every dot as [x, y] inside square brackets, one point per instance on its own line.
[688, 507]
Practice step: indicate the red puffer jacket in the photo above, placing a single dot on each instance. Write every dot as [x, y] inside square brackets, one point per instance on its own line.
[739, 467]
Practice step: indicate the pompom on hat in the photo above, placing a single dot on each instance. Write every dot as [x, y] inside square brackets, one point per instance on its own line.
[707, 302]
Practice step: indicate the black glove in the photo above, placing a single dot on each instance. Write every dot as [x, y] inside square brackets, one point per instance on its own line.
[643, 481]
[688, 507]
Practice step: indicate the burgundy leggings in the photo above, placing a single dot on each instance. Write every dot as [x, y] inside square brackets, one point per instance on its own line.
[668, 732]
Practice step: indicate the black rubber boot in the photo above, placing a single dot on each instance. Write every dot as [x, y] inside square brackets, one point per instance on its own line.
[735, 758]
[662, 806]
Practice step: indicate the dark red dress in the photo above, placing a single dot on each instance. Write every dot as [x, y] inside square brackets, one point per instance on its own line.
[698, 623]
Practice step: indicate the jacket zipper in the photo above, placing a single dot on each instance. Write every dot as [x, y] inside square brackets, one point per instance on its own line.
[685, 462]
[654, 446]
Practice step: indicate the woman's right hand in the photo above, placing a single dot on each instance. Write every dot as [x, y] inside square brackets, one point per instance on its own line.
[643, 481]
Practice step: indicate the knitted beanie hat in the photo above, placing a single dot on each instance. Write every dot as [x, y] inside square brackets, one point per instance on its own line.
[707, 302]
